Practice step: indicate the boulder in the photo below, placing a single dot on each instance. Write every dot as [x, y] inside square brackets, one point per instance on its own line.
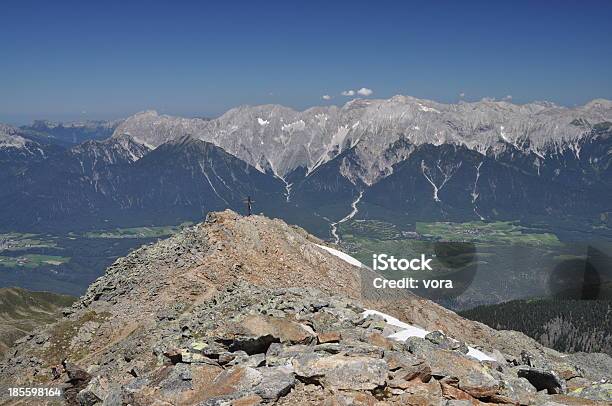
[281, 354]
[377, 339]
[96, 390]
[329, 337]
[177, 380]
[77, 380]
[341, 371]
[87, 398]
[418, 393]
[245, 360]
[287, 331]
[275, 382]
[255, 333]
[543, 380]
[373, 321]
[450, 391]
[250, 400]
[472, 377]
[351, 348]
[194, 357]
[236, 380]
[518, 389]
[76, 375]
[446, 343]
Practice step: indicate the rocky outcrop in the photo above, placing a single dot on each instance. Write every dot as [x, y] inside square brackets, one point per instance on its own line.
[200, 319]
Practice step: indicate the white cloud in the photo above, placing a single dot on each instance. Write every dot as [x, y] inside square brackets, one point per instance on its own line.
[462, 95]
[508, 98]
[348, 93]
[326, 97]
[364, 91]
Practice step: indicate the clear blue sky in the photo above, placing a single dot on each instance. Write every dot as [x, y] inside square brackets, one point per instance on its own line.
[104, 59]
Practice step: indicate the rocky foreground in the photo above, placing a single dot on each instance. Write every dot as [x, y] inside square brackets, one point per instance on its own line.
[248, 310]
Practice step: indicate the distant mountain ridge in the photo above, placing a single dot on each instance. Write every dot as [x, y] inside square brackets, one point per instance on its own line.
[404, 157]
[282, 139]
[122, 180]
[72, 132]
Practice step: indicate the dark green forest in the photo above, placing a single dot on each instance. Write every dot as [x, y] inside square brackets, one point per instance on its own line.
[562, 324]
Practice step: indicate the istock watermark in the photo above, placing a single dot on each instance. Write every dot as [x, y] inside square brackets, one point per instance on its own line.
[441, 271]
[384, 262]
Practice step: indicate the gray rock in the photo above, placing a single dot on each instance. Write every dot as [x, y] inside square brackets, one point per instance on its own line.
[373, 321]
[280, 354]
[390, 330]
[178, 380]
[114, 397]
[96, 391]
[543, 380]
[135, 385]
[275, 382]
[601, 392]
[87, 398]
[209, 349]
[419, 346]
[518, 389]
[595, 366]
[406, 367]
[189, 357]
[341, 372]
[253, 361]
[350, 348]
[444, 342]
[241, 380]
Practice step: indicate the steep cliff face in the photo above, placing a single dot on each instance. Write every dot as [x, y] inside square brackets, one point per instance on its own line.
[241, 310]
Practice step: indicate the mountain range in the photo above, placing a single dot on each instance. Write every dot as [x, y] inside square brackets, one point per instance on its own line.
[404, 159]
[70, 133]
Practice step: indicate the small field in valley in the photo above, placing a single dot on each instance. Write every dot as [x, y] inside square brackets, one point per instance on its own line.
[137, 232]
[492, 261]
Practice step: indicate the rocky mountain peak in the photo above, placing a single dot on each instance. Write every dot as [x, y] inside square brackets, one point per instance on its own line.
[249, 310]
[10, 138]
[285, 139]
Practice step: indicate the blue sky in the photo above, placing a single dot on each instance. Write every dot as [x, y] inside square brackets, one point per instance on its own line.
[71, 60]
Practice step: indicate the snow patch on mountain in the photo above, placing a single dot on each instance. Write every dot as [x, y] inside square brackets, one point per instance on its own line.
[409, 330]
[9, 137]
[293, 127]
[342, 256]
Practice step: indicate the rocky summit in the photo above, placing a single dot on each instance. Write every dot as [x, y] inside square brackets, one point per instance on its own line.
[249, 310]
